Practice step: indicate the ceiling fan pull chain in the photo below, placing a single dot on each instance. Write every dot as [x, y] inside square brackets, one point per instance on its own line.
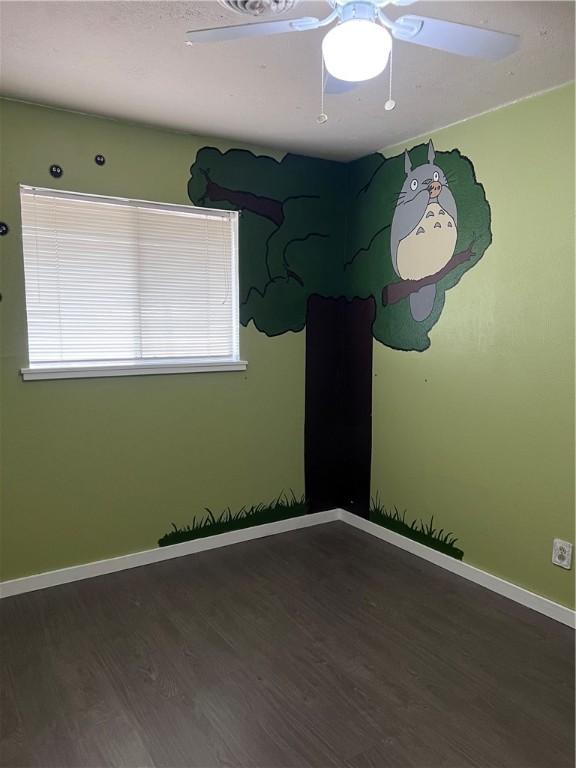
[390, 104]
[322, 117]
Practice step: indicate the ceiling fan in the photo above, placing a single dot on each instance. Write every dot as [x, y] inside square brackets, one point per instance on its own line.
[358, 46]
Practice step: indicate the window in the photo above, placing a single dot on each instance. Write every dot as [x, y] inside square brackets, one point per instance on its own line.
[118, 287]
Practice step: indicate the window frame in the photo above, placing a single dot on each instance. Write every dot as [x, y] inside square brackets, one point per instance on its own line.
[139, 367]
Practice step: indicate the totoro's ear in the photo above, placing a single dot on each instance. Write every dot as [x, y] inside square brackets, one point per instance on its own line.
[407, 162]
[431, 153]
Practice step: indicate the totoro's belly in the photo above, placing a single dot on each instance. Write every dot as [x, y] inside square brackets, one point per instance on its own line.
[429, 246]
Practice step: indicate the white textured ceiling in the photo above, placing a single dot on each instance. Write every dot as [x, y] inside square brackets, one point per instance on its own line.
[128, 60]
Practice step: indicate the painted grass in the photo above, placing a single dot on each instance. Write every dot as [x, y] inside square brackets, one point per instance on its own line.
[424, 533]
[280, 508]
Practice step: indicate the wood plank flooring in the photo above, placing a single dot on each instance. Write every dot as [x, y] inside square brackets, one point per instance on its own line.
[321, 647]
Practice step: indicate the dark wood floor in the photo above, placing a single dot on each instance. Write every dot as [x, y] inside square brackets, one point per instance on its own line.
[321, 647]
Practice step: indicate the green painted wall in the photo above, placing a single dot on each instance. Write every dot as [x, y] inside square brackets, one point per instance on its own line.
[94, 468]
[479, 430]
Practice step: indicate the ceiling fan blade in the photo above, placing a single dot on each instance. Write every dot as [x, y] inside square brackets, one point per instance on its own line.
[455, 38]
[333, 86]
[256, 29]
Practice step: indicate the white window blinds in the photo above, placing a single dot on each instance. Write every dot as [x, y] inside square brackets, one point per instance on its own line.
[109, 279]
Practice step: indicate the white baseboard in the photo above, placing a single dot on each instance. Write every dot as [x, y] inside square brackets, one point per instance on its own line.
[507, 589]
[101, 567]
[122, 563]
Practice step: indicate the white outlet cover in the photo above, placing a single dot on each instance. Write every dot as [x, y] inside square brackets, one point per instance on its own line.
[562, 553]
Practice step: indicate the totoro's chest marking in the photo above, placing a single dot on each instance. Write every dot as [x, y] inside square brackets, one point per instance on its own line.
[429, 246]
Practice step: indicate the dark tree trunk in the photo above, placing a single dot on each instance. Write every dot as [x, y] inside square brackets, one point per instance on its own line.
[338, 429]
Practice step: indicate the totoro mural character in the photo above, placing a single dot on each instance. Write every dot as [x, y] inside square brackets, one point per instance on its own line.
[424, 229]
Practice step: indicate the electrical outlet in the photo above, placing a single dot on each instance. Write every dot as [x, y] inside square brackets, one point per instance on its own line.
[562, 553]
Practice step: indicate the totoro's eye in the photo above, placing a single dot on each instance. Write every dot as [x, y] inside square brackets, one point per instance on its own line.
[413, 184]
[436, 175]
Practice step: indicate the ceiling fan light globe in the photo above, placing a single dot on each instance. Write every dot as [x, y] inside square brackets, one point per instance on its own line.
[356, 50]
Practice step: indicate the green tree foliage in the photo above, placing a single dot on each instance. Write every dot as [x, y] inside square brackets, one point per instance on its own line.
[291, 230]
[318, 227]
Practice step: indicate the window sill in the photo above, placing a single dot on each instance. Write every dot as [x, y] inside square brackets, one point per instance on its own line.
[99, 370]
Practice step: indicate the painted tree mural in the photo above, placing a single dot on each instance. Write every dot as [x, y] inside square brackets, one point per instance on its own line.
[374, 187]
[320, 250]
[291, 228]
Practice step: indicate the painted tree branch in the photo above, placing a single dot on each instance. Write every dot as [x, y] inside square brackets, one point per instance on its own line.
[263, 206]
[395, 292]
